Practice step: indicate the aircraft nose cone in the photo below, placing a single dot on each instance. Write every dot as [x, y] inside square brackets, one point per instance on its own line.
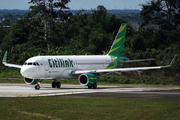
[24, 72]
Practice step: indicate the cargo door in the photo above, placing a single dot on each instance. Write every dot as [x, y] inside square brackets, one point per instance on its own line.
[46, 67]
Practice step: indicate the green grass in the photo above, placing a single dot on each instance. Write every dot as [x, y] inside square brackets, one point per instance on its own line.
[20, 80]
[57, 108]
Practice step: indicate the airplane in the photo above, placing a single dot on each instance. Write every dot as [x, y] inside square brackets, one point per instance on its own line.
[86, 68]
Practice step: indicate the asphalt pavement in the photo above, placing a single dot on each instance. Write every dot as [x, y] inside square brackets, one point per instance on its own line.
[103, 91]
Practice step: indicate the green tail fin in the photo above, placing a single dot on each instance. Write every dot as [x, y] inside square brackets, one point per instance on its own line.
[117, 48]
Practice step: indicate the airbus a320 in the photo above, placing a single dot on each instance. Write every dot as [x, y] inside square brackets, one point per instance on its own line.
[86, 68]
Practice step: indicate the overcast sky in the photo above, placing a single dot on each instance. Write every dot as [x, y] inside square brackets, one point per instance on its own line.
[79, 4]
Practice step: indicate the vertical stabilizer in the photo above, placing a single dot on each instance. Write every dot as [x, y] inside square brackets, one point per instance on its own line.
[117, 47]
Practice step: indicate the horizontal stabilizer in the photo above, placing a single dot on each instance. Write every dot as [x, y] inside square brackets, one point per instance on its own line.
[142, 60]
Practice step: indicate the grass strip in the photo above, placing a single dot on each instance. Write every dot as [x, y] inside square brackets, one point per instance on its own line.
[57, 108]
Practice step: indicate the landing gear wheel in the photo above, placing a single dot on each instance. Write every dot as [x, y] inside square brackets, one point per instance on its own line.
[37, 87]
[53, 84]
[94, 86]
[58, 85]
[89, 87]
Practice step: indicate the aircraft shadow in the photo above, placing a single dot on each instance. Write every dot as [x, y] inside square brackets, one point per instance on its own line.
[79, 88]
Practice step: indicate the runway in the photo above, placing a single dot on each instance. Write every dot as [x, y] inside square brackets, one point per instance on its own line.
[103, 91]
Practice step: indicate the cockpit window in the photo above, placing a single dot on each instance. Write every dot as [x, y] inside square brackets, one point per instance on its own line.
[30, 63]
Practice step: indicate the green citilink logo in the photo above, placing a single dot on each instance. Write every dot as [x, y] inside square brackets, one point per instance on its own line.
[60, 63]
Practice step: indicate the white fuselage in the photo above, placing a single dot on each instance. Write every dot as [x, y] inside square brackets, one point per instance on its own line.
[56, 67]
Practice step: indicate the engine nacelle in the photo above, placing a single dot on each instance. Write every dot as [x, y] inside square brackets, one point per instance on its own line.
[87, 79]
[30, 81]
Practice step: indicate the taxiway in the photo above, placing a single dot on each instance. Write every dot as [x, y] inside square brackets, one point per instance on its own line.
[103, 91]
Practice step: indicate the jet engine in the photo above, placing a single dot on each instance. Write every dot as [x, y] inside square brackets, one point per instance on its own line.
[87, 79]
[30, 81]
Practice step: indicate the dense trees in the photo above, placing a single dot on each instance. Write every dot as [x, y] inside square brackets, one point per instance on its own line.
[80, 34]
[83, 33]
[164, 13]
[160, 27]
[49, 12]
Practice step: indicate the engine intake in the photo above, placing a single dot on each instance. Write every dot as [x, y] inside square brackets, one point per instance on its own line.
[87, 79]
[30, 81]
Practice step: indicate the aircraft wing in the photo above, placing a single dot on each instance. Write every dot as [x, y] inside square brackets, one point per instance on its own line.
[122, 69]
[117, 70]
[9, 65]
[12, 65]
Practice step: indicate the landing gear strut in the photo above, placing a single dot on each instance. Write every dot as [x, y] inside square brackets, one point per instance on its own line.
[37, 87]
[56, 84]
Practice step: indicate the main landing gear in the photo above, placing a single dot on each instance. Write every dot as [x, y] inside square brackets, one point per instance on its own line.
[56, 84]
[94, 86]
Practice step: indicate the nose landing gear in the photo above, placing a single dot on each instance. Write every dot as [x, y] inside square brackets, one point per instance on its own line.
[37, 87]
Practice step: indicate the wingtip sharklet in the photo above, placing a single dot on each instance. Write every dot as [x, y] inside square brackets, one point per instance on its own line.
[172, 61]
[4, 61]
[5, 58]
